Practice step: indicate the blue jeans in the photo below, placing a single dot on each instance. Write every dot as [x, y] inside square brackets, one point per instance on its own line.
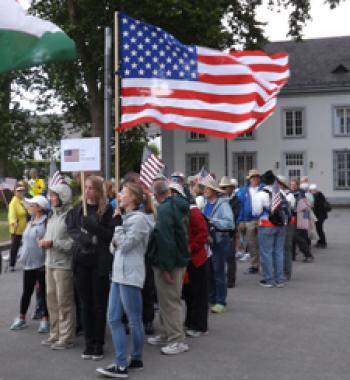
[271, 245]
[218, 284]
[129, 299]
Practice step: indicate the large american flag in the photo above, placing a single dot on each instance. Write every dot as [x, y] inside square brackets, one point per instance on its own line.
[194, 88]
[151, 166]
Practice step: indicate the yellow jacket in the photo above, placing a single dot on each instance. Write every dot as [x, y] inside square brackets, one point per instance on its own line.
[17, 215]
[36, 186]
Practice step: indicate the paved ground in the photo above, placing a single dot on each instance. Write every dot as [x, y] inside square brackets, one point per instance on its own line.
[300, 332]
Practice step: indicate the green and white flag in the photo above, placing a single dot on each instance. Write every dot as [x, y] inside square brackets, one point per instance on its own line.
[27, 41]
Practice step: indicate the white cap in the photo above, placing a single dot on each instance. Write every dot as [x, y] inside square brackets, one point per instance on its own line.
[304, 186]
[178, 174]
[39, 200]
[234, 182]
[313, 186]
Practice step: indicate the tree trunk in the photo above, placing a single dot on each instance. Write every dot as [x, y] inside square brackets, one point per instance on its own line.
[95, 94]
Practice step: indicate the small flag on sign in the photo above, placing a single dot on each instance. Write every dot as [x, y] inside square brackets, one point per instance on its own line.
[150, 167]
[71, 155]
[276, 197]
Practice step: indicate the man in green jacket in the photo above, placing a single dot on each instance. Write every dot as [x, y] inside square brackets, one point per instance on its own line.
[168, 252]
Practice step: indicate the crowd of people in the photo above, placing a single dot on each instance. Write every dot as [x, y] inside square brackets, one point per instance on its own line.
[130, 250]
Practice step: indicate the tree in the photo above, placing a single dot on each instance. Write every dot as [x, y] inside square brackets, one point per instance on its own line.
[79, 84]
[21, 132]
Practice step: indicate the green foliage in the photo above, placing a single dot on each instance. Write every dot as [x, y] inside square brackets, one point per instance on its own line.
[4, 232]
[154, 149]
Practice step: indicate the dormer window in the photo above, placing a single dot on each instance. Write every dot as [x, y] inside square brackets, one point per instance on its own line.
[340, 69]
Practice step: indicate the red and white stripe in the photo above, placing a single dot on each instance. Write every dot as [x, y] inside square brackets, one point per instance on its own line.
[276, 199]
[149, 169]
[235, 92]
[56, 179]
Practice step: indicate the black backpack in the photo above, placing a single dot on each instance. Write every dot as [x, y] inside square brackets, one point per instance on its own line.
[235, 205]
[282, 214]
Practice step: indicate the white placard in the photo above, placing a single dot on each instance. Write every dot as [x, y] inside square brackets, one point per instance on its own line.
[80, 155]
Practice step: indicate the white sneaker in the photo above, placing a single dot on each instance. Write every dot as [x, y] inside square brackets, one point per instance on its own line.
[43, 327]
[245, 257]
[239, 254]
[157, 340]
[174, 348]
[196, 333]
[18, 324]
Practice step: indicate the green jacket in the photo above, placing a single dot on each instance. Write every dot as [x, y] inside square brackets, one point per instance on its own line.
[168, 245]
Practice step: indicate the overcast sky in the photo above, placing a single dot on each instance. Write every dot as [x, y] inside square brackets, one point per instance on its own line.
[324, 23]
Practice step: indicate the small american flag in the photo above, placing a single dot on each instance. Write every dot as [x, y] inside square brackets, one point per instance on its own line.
[204, 176]
[150, 167]
[55, 177]
[71, 155]
[194, 88]
[276, 197]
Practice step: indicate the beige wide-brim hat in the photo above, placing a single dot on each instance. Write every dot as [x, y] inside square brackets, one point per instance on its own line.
[253, 173]
[212, 184]
[178, 188]
[282, 180]
[225, 182]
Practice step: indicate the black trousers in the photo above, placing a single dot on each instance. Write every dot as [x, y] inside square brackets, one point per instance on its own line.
[148, 295]
[320, 232]
[196, 297]
[93, 293]
[303, 242]
[15, 244]
[30, 277]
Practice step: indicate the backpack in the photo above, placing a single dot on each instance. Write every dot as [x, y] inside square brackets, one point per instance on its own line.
[282, 214]
[235, 205]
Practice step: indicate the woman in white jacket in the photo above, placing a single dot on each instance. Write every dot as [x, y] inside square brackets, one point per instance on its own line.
[32, 258]
[128, 246]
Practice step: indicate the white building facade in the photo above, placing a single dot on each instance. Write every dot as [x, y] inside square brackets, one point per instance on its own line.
[309, 134]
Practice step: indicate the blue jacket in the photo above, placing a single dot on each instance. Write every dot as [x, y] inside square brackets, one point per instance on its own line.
[222, 217]
[245, 212]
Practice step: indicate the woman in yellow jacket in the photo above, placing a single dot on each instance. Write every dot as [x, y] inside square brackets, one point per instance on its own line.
[17, 218]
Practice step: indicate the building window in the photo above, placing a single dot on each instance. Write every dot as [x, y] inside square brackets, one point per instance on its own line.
[195, 162]
[342, 121]
[294, 164]
[293, 123]
[246, 136]
[242, 163]
[341, 164]
[195, 137]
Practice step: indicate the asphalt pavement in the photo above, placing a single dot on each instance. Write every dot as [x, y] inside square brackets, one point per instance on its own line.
[300, 332]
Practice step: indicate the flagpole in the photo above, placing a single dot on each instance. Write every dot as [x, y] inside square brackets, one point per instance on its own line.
[117, 94]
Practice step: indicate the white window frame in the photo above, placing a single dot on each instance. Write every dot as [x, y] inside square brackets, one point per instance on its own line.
[336, 127]
[199, 165]
[302, 164]
[294, 135]
[245, 136]
[196, 137]
[346, 169]
[235, 155]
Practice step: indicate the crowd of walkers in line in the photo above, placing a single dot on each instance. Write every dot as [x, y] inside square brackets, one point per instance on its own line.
[143, 247]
